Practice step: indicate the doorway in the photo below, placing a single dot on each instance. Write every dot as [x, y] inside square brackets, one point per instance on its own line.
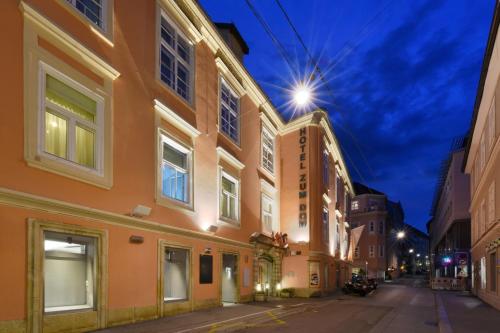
[229, 278]
[265, 275]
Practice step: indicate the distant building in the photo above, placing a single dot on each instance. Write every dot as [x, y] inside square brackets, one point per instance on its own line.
[415, 250]
[482, 163]
[449, 228]
[376, 250]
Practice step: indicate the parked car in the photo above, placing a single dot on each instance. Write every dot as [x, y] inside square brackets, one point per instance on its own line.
[372, 283]
[356, 288]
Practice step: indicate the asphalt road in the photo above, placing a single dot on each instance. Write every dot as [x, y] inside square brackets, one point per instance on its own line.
[402, 307]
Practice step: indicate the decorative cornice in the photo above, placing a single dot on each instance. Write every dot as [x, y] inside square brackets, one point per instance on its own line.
[226, 156]
[90, 58]
[173, 118]
[20, 199]
[194, 34]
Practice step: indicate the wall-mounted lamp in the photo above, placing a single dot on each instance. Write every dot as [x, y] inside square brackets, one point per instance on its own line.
[211, 228]
[258, 287]
[141, 211]
[267, 286]
[278, 286]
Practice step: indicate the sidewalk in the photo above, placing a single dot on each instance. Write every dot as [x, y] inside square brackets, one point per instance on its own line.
[459, 312]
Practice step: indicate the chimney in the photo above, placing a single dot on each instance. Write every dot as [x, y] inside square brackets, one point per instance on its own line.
[233, 39]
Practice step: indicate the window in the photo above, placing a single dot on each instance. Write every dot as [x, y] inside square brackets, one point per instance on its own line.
[229, 197]
[326, 232]
[91, 9]
[491, 203]
[176, 275]
[267, 150]
[229, 112]
[69, 272]
[326, 162]
[371, 228]
[491, 125]
[267, 213]
[72, 124]
[175, 170]
[493, 271]
[337, 235]
[355, 205]
[482, 153]
[381, 250]
[381, 227]
[356, 252]
[372, 251]
[176, 59]
[354, 225]
[482, 272]
[482, 218]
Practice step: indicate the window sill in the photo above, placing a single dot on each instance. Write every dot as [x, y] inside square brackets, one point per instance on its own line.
[71, 308]
[267, 173]
[105, 35]
[66, 169]
[177, 205]
[233, 143]
[226, 222]
[188, 104]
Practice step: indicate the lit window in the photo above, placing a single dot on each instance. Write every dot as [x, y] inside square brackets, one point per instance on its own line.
[69, 272]
[267, 150]
[72, 121]
[176, 275]
[372, 251]
[229, 112]
[229, 197]
[91, 9]
[176, 60]
[326, 229]
[355, 205]
[267, 213]
[482, 272]
[175, 170]
[326, 171]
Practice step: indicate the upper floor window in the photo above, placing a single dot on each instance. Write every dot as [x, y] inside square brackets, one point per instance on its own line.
[267, 213]
[371, 227]
[92, 10]
[381, 227]
[72, 121]
[176, 59]
[176, 166]
[229, 112]
[326, 222]
[355, 205]
[381, 250]
[356, 252]
[371, 251]
[229, 197]
[267, 150]
[325, 168]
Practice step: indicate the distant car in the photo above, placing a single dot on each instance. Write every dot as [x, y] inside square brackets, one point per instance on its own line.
[356, 288]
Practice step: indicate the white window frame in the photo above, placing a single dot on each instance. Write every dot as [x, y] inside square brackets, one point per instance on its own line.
[237, 112]
[266, 201]
[176, 58]
[325, 225]
[222, 217]
[491, 203]
[482, 272]
[72, 119]
[166, 139]
[270, 150]
[104, 27]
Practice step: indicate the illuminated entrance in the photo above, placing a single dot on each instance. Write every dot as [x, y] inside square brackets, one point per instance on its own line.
[229, 278]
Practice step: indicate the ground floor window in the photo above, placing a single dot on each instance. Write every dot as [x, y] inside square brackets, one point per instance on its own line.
[176, 274]
[482, 272]
[69, 268]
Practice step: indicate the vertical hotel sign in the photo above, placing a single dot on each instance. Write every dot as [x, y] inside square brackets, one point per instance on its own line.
[302, 179]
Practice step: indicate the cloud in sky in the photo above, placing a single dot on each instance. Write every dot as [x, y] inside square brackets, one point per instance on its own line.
[402, 91]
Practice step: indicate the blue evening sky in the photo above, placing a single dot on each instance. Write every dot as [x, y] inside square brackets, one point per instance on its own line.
[402, 78]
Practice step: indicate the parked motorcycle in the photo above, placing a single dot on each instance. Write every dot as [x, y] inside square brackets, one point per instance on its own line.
[372, 283]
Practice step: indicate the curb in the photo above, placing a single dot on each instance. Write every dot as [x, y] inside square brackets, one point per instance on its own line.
[442, 317]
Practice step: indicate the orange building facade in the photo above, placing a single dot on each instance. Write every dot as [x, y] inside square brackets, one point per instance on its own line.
[145, 173]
